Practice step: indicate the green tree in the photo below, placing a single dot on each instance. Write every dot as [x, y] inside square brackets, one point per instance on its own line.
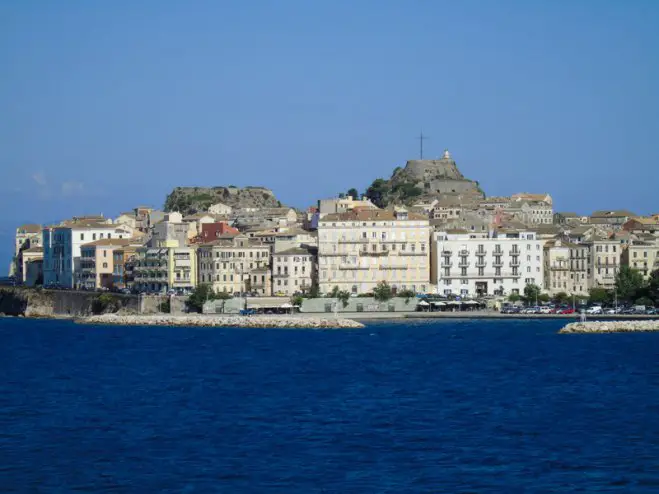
[561, 298]
[406, 294]
[354, 193]
[199, 296]
[377, 192]
[383, 292]
[314, 292]
[544, 298]
[531, 293]
[653, 286]
[599, 295]
[514, 297]
[342, 296]
[297, 300]
[629, 282]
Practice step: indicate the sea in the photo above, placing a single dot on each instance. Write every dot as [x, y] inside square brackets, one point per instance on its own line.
[457, 406]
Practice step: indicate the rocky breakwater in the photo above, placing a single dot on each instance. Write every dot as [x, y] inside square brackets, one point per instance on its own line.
[611, 326]
[275, 321]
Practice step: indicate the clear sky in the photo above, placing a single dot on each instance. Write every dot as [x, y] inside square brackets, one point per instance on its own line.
[107, 105]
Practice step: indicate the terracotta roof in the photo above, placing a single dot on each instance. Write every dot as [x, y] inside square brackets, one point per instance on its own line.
[118, 242]
[370, 215]
[30, 228]
[295, 251]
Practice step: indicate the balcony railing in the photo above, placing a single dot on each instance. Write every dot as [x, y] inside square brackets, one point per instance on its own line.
[481, 264]
[463, 252]
[390, 268]
[447, 264]
[447, 252]
[497, 264]
[514, 264]
[418, 254]
[514, 252]
[463, 264]
[374, 254]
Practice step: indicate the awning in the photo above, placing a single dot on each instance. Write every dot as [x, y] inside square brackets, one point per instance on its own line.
[453, 302]
[423, 302]
[438, 303]
[471, 302]
[286, 306]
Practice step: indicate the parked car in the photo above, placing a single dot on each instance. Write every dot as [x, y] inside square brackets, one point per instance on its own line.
[596, 309]
[247, 312]
[652, 311]
[547, 310]
[609, 311]
[566, 310]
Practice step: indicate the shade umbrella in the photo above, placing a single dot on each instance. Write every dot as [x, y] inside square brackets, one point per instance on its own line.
[423, 302]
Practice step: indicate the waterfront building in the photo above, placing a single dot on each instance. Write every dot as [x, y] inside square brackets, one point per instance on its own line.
[360, 248]
[471, 264]
[97, 263]
[567, 267]
[62, 247]
[161, 269]
[605, 261]
[642, 255]
[236, 264]
[294, 270]
[27, 237]
[215, 230]
[643, 224]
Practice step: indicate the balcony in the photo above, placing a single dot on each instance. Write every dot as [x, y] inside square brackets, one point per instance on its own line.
[464, 264]
[353, 267]
[391, 268]
[497, 264]
[481, 253]
[514, 252]
[514, 264]
[447, 252]
[355, 241]
[447, 264]
[366, 253]
[463, 252]
[409, 254]
[481, 264]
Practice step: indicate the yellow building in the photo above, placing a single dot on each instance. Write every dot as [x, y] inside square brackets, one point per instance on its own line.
[360, 248]
[165, 269]
[643, 255]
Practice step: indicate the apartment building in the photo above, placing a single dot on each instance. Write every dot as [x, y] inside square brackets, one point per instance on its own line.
[62, 247]
[472, 264]
[159, 270]
[97, 263]
[567, 267]
[360, 248]
[28, 238]
[294, 270]
[605, 261]
[236, 265]
[642, 255]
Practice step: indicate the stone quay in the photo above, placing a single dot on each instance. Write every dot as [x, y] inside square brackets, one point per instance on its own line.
[611, 326]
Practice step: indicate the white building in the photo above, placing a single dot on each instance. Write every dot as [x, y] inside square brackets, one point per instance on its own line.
[360, 248]
[220, 208]
[293, 271]
[61, 247]
[343, 205]
[477, 264]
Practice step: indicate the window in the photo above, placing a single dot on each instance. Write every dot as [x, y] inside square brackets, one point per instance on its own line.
[82, 236]
[105, 264]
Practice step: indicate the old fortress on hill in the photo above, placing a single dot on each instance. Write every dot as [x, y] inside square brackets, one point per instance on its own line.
[427, 229]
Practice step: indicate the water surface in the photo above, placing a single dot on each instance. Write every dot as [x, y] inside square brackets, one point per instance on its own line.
[427, 406]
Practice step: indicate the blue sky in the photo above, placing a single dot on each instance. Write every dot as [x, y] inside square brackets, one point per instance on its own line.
[106, 105]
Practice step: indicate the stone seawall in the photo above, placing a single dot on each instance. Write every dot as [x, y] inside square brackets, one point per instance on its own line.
[30, 302]
[274, 321]
[611, 327]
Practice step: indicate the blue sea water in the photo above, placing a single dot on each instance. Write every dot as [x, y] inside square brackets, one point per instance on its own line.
[444, 406]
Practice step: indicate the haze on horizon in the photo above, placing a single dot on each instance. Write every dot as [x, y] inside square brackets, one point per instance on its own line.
[107, 106]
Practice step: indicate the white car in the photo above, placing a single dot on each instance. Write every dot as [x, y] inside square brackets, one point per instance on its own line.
[610, 311]
[594, 310]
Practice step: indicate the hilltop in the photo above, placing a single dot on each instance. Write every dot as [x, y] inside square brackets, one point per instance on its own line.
[423, 180]
[190, 200]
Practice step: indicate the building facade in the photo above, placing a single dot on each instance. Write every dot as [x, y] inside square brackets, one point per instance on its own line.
[605, 262]
[62, 248]
[498, 263]
[642, 255]
[236, 265]
[360, 248]
[567, 267]
[294, 271]
[160, 270]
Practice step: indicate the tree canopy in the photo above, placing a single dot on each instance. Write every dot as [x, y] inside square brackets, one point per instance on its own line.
[629, 283]
[383, 292]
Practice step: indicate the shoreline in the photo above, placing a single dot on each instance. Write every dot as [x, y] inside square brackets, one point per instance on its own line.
[611, 327]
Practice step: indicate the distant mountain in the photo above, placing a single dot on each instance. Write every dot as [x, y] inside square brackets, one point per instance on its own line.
[422, 180]
[190, 200]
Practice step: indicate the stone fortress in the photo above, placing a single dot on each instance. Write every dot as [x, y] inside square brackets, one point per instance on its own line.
[438, 177]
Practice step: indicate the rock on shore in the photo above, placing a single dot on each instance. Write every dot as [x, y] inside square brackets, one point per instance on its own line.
[222, 321]
[611, 326]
